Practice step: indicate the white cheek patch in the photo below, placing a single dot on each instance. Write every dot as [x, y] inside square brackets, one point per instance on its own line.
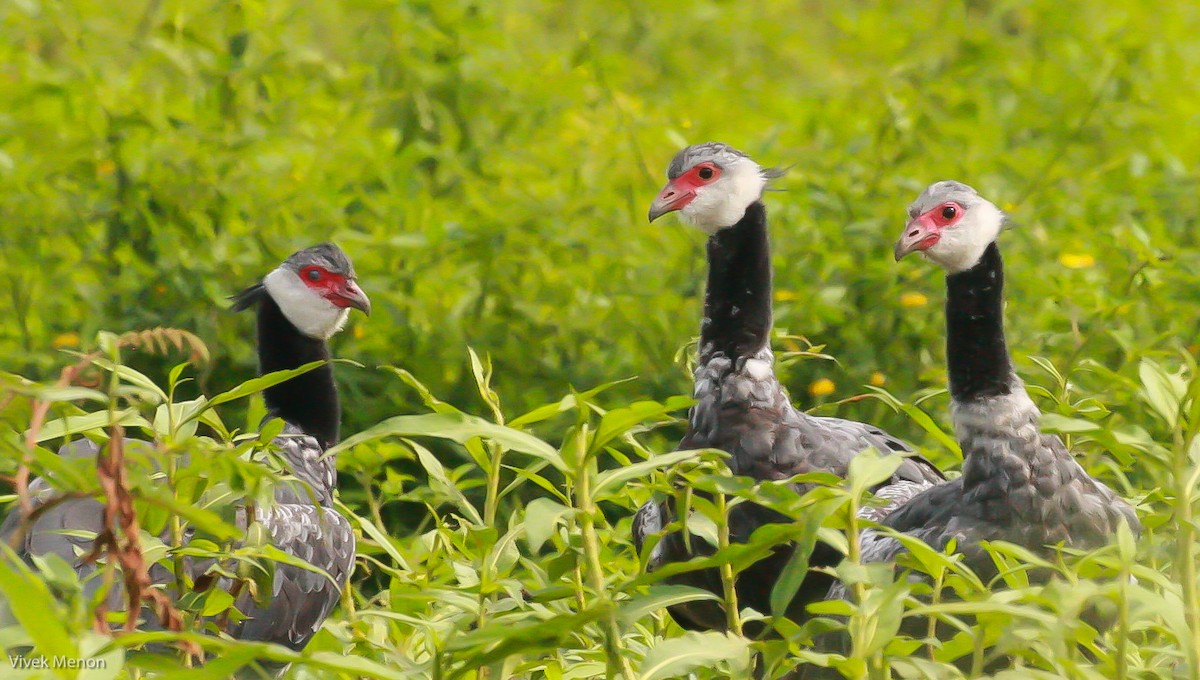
[724, 202]
[312, 314]
[961, 245]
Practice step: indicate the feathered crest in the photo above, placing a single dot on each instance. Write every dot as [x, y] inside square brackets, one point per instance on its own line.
[774, 173]
[248, 297]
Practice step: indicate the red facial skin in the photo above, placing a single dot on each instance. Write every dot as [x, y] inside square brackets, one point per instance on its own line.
[925, 230]
[682, 190]
[339, 290]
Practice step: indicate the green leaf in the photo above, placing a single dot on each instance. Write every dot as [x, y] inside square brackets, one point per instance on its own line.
[30, 601]
[796, 570]
[674, 657]
[1161, 390]
[1053, 422]
[920, 418]
[542, 515]
[67, 426]
[619, 420]
[378, 535]
[431, 402]
[458, 427]
[440, 482]
[611, 480]
[660, 597]
[256, 385]
[567, 403]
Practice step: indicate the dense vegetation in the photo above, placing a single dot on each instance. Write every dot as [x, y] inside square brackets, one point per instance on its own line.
[488, 167]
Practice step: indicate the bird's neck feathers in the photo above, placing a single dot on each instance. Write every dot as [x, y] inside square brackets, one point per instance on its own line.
[309, 401]
[976, 353]
[737, 303]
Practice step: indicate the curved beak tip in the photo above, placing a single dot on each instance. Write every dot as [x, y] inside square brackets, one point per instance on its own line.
[356, 298]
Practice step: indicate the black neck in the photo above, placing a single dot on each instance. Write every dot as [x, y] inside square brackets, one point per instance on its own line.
[975, 351]
[308, 401]
[737, 304]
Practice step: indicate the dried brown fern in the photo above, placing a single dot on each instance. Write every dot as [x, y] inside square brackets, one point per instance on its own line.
[120, 538]
[160, 341]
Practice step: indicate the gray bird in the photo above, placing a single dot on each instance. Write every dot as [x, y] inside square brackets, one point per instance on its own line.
[1017, 484]
[300, 305]
[741, 407]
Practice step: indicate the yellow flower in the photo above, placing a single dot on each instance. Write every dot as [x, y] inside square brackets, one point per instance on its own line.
[64, 340]
[821, 387]
[878, 379]
[105, 167]
[1077, 260]
[358, 332]
[1008, 206]
[786, 295]
[911, 300]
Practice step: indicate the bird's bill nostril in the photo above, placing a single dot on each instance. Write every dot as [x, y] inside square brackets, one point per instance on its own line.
[912, 233]
[670, 199]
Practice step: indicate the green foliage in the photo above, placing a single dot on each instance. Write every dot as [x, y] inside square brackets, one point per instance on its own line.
[488, 166]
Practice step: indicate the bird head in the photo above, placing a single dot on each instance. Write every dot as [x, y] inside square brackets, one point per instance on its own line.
[315, 289]
[951, 224]
[711, 185]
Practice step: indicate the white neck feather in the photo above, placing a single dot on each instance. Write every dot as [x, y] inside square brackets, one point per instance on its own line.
[312, 314]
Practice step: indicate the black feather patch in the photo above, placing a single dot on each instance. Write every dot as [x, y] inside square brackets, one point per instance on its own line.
[248, 297]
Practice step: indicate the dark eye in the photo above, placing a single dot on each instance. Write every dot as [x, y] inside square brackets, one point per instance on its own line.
[313, 274]
[705, 173]
[949, 212]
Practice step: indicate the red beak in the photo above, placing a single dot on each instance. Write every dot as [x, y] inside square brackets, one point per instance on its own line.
[919, 234]
[670, 199]
[350, 295]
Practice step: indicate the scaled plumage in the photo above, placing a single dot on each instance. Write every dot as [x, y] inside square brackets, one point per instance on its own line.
[740, 405]
[302, 521]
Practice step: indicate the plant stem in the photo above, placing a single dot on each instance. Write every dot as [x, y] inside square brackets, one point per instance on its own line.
[591, 550]
[493, 486]
[733, 618]
[1186, 558]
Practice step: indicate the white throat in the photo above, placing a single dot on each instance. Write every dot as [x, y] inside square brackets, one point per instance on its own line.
[962, 245]
[723, 203]
[312, 314]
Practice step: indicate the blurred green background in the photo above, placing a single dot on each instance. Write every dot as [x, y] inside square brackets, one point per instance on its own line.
[488, 165]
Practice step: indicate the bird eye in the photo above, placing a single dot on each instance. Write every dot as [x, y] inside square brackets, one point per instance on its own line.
[949, 212]
[313, 274]
[705, 173]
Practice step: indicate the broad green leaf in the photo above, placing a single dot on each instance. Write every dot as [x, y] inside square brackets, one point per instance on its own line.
[458, 427]
[677, 656]
[542, 515]
[1161, 390]
[611, 480]
[796, 570]
[1053, 422]
[65, 427]
[256, 385]
[661, 597]
[619, 420]
[30, 602]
